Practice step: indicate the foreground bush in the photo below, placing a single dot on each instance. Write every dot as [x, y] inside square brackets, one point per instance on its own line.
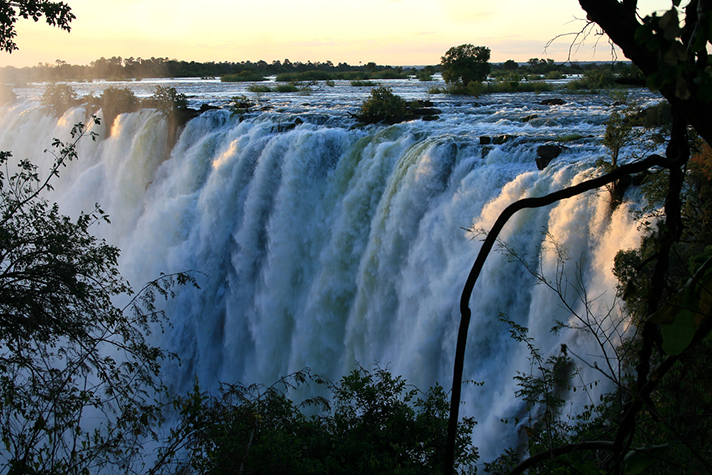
[373, 423]
[66, 351]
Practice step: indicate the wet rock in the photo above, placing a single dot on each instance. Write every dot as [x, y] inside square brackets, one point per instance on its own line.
[546, 153]
[287, 127]
[553, 102]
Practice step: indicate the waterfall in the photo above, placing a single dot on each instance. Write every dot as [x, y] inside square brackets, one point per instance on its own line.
[327, 246]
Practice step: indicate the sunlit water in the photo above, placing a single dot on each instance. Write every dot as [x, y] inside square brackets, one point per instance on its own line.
[329, 245]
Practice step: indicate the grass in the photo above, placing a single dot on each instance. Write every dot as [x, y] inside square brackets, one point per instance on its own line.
[244, 76]
[259, 88]
[289, 87]
[568, 137]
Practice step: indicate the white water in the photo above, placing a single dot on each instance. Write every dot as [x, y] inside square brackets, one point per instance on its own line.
[327, 245]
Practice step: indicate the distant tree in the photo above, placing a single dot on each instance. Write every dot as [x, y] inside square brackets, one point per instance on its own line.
[510, 65]
[464, 64]
[57, 14]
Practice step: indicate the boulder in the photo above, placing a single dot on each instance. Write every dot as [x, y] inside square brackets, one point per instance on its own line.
[485, 140]
[553, 102]
[546, 153]
[500, 139]
[529, 117]
[288, 127]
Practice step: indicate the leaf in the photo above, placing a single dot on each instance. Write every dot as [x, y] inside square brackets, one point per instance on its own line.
[638, 460]
[678, 335]
[670, 24]
[685, 312]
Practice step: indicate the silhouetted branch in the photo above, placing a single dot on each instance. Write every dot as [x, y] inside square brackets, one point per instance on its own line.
[637, 167]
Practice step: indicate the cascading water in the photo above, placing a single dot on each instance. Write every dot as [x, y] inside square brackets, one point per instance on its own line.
[326, 245]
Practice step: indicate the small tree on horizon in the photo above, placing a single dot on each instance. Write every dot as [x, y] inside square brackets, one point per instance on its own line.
[465, 64]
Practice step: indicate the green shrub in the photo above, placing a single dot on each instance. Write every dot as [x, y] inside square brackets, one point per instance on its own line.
[114, 101]
[424, 76]
[389, 74]
[474, 88]
[58, 98]
[259, 88]
[568, 137]
[169, 101]
[289, 87]
[594, 79]
[513, 87]
[243, 76]
[315, 75]
[383, 105]
[241, 105]
[361, 83]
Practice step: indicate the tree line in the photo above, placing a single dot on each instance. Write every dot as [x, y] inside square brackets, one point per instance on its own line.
[118, 68]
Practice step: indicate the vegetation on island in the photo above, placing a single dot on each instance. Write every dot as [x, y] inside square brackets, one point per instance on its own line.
[61, 331]
[464, 68]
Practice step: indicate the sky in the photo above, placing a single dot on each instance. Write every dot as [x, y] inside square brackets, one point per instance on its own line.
[388, 32]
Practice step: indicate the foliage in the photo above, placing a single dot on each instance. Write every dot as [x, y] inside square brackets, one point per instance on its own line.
[259, 88]
[465, 64]
[243, 76]
[594, 79]
[510, 65]
[57, 14]
[384, 106]
[360, 83]
[314, 75]
[69, 356]
[513, 86]
[424, 75]
[241, 105]
[621, 130]
[663, 34]
[289, 87]
[114, 101]
[58, 98]
[169, 101]
[568, 137]
[375, 423]
[667, 430]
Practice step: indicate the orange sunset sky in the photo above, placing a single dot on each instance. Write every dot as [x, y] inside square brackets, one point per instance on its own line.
[394, 32]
